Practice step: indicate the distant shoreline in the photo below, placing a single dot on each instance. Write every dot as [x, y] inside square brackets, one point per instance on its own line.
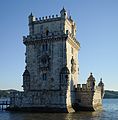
[109, 94]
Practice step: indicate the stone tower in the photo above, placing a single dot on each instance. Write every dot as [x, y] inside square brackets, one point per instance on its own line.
[51, 72]
[50, 79]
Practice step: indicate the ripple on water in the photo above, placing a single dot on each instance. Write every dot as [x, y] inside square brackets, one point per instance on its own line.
[109, 112]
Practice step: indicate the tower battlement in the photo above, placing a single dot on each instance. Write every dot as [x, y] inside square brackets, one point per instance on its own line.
[63, 16]
[90, 85]
[50, 18]
[83, 88]
[44, 19]
[62, 24]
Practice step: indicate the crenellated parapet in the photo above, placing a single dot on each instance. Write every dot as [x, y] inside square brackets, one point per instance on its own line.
[45, 19]
[90, 85]
[48, 25]
[63, 15]
[83, 88]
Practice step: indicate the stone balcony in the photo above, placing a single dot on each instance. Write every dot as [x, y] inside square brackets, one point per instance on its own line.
[43, 36]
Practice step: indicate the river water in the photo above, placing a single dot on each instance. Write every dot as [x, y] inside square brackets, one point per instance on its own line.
[109, 112]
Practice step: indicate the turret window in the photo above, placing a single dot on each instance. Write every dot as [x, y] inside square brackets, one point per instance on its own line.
[45, 47]
[44, 76]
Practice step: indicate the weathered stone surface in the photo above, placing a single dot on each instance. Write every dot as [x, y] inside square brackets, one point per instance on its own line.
[50, 80]
[50, 83]
[89, 96]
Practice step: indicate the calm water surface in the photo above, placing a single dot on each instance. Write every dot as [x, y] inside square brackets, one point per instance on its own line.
[109, 112]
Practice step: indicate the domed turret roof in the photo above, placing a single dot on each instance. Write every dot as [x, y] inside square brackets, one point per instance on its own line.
[63, 10]
[91, 78]
[31, 15]
[101, 83]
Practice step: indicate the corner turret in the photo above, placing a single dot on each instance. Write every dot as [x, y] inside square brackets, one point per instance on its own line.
[91, 82]
[101, 84]
[31, 18]
[31, 25]
[63, 13]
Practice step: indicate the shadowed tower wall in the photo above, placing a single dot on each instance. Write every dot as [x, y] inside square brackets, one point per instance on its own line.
[51, 63]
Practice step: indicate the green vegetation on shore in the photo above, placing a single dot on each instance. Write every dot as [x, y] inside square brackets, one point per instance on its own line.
[111, 94]
[5, 93]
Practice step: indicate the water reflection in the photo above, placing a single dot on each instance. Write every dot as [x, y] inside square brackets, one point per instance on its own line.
[37, 116]
[84, 115]
[56, 116]
[109, 112]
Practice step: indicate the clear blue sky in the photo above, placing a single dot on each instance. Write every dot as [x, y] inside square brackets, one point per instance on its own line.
[97, 32]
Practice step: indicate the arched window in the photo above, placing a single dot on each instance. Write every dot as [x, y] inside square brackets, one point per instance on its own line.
[45, 47]
[44, 76]
[47, 32]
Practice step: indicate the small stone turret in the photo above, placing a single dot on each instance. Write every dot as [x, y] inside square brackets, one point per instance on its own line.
[63, 13]
[91, 82]
[26, 80]
[31, 25]
[101, 84]
[31, 18]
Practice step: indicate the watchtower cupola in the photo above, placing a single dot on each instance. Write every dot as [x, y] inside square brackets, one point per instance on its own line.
[63, 13]
[31, 18]
[91, 82]
[101, 84]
